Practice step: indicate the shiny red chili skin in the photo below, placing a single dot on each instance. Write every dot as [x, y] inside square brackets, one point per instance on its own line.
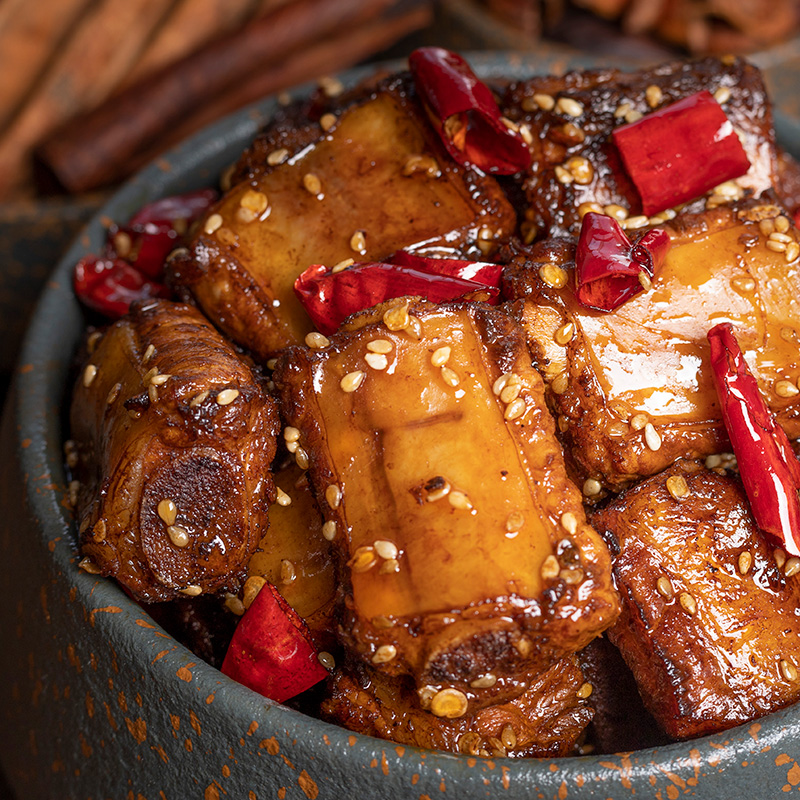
[680, 152]
[330, 297]
[608, 264]
[157, 228]
[450, 89]
[482, 272]
[110, 285]
[271, 651]
[768, 467]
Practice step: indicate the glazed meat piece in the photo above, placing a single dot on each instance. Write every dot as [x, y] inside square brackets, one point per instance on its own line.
[571, 118]
[376, 180]
[463, 547]
[709, 624]
[633, 389]
[295, 556]
[545, 721]
[173, 442]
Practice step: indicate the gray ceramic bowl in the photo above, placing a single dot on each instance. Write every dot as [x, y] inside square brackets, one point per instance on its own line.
[99, 702]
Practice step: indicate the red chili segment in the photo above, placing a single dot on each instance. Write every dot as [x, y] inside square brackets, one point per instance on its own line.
[465, 113]
[110, 285]
[271, 650]
[609, 268]
[768, 467]
[680, 152]
[156, 229]
[330, 297]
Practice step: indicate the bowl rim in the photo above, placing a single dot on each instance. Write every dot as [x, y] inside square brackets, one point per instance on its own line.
[41, 383]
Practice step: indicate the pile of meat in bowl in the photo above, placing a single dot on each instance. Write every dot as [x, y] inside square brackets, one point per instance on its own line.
[463, 417]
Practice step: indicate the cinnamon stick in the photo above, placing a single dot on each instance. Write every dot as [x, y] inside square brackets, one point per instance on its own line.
[323, 58]
[101, 49]
[29, 35]
[189, 26]
[79, 153]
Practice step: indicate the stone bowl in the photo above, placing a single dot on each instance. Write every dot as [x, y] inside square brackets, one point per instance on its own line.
[97, 701]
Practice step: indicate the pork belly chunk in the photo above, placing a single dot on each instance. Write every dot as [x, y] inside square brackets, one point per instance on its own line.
[545, 721]
[711, 609]
[375, 180]
[173, 438]
[464, 552]
[633, 389]
[575, 165]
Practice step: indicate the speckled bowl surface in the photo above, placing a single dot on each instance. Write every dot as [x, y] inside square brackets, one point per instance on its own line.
[97, 701]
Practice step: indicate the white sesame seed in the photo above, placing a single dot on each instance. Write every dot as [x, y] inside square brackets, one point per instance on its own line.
[89, 374]
[342, 265]
[651, 437]
[515, 409]
[485, 681]
[449, 703]
[376, 361]
[316, 340]
[148, 353]
[159, 380]
[277, 157]
[569, 106]
[326, 659]
[450, 377]
[301, 458]
[288, 572]
[352, 381]
[550, 568]
[384, 654]
[440, 356]
[227, 396]
[653, 95]
[282, 499]
[212, 224]
[544, 101]
[381, 346]
[312, 184]
[113, 393]
[592, 487]
[358, 242]
[677, 486]
[564, 334]
[792, 567]
[459, 500]
[722, 95]
[788, 670]
[329, 530]
[385, 549]
[792, 251]
[199, 398]
[687, 603]
[168, 511]
[664, 587]
[178, 536]
[333, 495]
[744, 562]
[291, 434]
[570, 523]
[510, 392]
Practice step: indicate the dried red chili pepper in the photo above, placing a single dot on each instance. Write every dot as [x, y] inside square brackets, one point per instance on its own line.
[154, 231]
[482, 272]
[768, 467]
[680, 151]
[465, 114]
[610, 269]
[271, 650]
[330, 297]
[110, 285]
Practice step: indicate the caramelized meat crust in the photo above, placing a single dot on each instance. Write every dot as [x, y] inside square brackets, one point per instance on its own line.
[710, 624]
[633, 389]
[572, 117]
[463, 547]
[545, 721]
[174, 438]
[320, 206]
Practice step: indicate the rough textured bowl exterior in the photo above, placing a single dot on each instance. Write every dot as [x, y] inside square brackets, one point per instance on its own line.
[96, 701]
